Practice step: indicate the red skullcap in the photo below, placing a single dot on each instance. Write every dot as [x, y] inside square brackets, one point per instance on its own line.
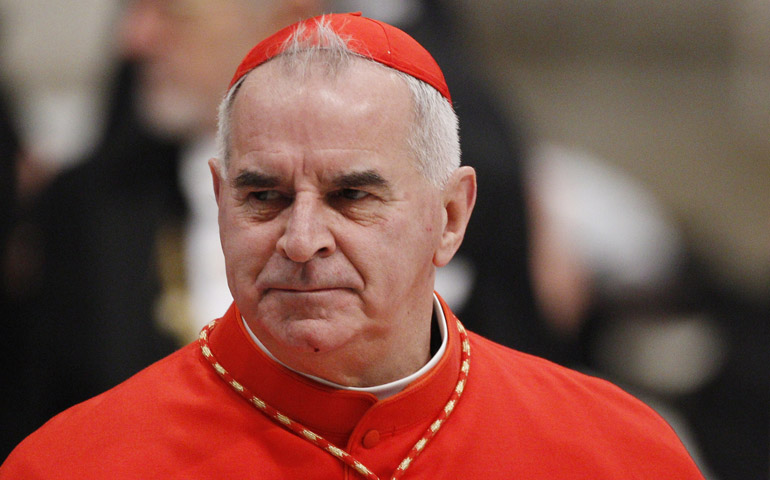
[369, 38]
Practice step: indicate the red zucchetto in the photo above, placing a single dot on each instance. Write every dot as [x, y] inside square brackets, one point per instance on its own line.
[369, 38]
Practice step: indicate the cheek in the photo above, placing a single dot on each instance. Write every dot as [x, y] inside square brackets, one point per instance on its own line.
[404, 244]
[420, 229]
[246, 246]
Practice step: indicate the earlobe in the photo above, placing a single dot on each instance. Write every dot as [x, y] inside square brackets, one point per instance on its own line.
[459, 199]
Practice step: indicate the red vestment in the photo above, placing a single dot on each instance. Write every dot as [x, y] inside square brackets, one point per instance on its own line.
[518, 417]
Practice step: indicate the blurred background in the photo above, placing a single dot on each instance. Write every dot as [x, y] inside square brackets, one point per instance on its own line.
[643, 132]
[675, 93]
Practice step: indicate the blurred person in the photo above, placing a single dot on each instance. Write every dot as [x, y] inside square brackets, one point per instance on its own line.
[340, 191]
[121, 233]
[601, 240]
[610, 271]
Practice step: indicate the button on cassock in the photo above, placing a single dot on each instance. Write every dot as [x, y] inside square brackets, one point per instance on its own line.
[371, 439]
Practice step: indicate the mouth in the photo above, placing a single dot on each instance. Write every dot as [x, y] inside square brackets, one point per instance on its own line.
[305, 290]
[304, 294]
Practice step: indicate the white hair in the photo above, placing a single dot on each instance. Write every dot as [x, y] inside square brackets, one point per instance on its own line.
[434, 140]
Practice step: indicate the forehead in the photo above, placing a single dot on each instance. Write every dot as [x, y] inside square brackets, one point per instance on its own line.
[362, 108]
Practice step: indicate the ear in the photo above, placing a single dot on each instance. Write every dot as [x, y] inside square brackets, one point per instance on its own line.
[459, 199]
[216, 170]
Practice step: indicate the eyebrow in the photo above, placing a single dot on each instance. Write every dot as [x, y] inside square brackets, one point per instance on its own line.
[367, 178]
[252, 179]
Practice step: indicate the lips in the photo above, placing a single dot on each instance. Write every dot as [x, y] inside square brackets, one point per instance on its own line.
[306, 289]
[312, 277]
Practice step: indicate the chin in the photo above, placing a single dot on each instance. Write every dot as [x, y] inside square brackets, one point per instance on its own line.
[315, 335]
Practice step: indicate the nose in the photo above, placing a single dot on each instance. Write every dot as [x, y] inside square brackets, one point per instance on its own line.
[139, 28]
[307, 234]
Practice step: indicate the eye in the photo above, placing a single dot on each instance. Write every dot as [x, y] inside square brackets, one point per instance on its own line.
[266, 195]
[352, 194]
[266, 204]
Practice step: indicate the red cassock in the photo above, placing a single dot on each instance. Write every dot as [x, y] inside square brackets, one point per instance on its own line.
[193, 416]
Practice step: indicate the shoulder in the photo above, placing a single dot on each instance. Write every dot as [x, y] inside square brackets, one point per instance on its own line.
[543, 384]
[113, 426]
[546, 407]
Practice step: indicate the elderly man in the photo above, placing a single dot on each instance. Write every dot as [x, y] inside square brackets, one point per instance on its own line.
[339, 192]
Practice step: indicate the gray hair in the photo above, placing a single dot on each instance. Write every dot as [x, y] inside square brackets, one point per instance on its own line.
[434, 140]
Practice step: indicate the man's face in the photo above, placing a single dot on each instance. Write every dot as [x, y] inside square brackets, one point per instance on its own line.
[329, 231]
[185, 51]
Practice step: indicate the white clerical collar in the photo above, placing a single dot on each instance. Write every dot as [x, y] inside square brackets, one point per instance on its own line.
[380, 391]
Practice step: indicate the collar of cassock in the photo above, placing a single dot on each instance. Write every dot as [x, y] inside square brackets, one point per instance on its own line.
[309, 402]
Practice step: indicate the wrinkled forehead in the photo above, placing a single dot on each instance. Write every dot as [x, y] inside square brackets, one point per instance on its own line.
[322, 65]
[302, 77]
[365, 103]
